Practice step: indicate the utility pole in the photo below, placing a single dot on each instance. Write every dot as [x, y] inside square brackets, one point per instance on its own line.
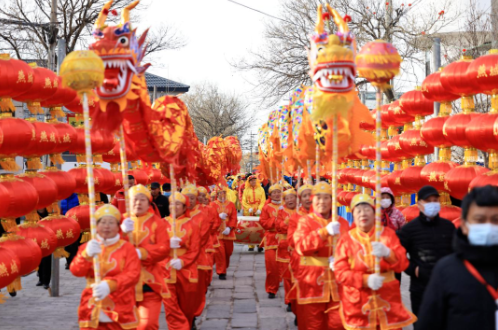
[53, 31]
[494, 24]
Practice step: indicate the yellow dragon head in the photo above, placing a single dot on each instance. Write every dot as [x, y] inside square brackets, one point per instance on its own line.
[332, 65]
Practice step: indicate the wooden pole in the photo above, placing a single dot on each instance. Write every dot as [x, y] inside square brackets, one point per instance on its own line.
[124, 174]
[173, 202]
[378, 159]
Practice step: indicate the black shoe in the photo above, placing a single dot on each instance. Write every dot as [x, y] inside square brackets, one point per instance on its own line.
[251, 249]
[46, 286]
[260, 249]
[39, 283]
[289, 309]
[194, 327]
[13, 293]
[295, 321]
[271, 296]
[222, 277]
[67, 266]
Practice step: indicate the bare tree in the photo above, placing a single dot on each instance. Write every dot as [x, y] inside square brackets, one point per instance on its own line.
[215, 113]
[282, 63]
[26, 32]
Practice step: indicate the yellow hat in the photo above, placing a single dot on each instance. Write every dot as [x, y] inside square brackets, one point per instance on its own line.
[178, 197]
[287, 185]
[276, 186]
[303, 188]
[202, 190]
[107, 210]
[213, 193]
[322, 188]
[290, 191]
[362, 199]
[140, 189]
[190, 189]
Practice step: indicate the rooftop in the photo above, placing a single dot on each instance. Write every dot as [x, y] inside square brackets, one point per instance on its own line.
[164, 85]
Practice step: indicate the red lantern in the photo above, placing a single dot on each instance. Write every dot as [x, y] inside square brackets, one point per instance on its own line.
[102, 142]
[77, 104]
[457, 180]
[44, 185]
[22, 199]
[43, 236]
[395, 150]
[61, 97]
[412, 143]
[66, 137]
[9, 267]
[432, 132]
[394, 182]
[484, 179]
[482, 133]
[29, 252]
[433, 174]
[416, 104]
[66, 230]
[411, 179]
[17, 134]
[156, 175]
[105, 177]
[456, 79]
[64, 181]
[378, 62]
[118, 183]
[341, 197]
[349, 197]
[140, 176]
[44, 86]
[455, 126]
[113, 156]
[367, 176]
[450, 212]
[81, 214]
[43, 142]
[342, 175]
[433, 89]
[398, 115]
[482, 73]
[17, 78]
[411, 212]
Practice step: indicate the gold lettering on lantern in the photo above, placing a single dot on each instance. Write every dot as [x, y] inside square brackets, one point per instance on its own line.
[111, 153]
[56, 83]
[48, 84]
[69, 234]
[493, 71]
[33, 135]
[75, 217]
[446, 186]
[43, 137]
[3, 270]
[117, 183]
[13, 267]
[481, 71]
[52, 138]
[413, 142]
[67, 138]
[45, 245]
[60, 235]
[422, 143]
[432, 177]
[30, 77]
[21, 77]
[441, 177]
[397, 181]
[34, 240]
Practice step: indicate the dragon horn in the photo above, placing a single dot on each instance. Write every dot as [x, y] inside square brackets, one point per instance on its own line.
[100, 22]
[319, 20]
[125, 14]
[339, 21]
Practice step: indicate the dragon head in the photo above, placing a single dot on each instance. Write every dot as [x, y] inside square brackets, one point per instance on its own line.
[331, 56]
[121, 52]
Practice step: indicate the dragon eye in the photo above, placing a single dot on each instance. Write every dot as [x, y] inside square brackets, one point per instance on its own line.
[320, 48]
[123, 41]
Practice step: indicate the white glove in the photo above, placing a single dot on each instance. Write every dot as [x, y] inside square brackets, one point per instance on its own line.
[93, 248]
[331, 263]
[281, 207]
[380, 250]
[127, 225]
[375, 281]
[101, 290]
[250, 210]
[139, 254]
[226, 232]
[258, 212]
[176, 263]
[334, 228]
[223, 216]
[174, 242]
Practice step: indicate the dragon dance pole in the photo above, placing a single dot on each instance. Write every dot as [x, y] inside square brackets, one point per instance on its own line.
[298, 185]
[124, 174]
[173, 202]
[91, 185]
[378, 159]
[317, 155]
[310, 178]
[335, 159]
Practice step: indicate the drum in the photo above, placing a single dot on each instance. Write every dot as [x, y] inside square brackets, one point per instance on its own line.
[249, 231]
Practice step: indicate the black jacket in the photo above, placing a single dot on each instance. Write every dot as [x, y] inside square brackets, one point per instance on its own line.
[426, 242]
[454, 299]
[162, 204]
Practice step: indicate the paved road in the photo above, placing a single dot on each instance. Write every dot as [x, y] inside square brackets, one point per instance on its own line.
[240, 302]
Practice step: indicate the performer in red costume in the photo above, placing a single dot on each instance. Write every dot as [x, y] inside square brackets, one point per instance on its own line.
[268, 220]
[109, 305]
[282, 226]
[215, 222]
[180, 267]
[148, 233]
[227, 214]
[370, 300]
[317, 290]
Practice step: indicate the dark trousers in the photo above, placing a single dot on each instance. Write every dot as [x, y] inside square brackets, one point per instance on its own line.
[416, 300]
[45, 270]
[72, 249]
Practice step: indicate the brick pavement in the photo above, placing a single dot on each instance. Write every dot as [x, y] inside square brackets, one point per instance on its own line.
[240, 302]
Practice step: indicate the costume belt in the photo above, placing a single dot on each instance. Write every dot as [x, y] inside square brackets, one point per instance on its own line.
[179, 252]
[282, 236]
[314, 261]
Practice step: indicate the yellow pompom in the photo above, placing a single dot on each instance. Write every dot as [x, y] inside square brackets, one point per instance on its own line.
[82, 70]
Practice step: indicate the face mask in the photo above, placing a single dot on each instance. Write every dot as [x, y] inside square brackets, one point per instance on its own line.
[484, 234]
[385, 203]
[432, 209]
[167, 194]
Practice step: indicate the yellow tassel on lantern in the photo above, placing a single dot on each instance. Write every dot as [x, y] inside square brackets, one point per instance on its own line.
[9, 224]
[6, 105]
[85, 237]
[2, 298]
[54, 208]
[9, 164]
[60, 253]
[34, 163]
[56, 159]
[32, 216]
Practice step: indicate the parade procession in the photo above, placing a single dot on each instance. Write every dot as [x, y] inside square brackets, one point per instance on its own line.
[371, 217]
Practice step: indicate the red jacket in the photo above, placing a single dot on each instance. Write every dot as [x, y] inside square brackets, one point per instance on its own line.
[119, 201]
[282, 226]
[231, 221]
[267, 220]
[120, 267]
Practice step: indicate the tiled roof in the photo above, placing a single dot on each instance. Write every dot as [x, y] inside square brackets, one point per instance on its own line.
[164, 85]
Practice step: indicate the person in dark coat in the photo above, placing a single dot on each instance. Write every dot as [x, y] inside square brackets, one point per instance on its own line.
[426, 239]
[455, 299]
[45, 267]
[72, 249]
[159, 199]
